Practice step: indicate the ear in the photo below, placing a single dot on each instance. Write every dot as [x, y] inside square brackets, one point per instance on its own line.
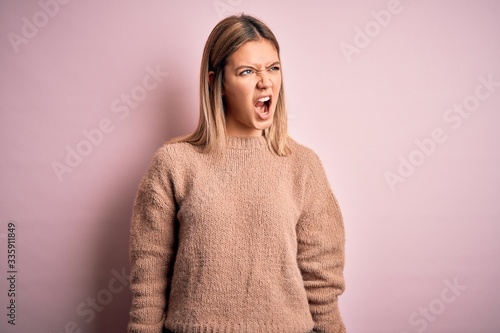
[211, 78]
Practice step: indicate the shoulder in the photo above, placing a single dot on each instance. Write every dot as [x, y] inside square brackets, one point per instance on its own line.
[313, 170]
[176, 150]
[307, 161]
[171, 156]
[303, 154]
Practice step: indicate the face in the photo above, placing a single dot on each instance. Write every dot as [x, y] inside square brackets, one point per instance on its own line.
[252, 82]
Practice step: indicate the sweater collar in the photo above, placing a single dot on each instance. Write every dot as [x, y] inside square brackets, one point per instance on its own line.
[246, 142]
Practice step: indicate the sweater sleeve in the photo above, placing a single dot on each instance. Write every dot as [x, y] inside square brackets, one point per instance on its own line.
[152, 247]
[320, 252]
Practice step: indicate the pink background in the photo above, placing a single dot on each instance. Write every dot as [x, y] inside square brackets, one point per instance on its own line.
[363, 111]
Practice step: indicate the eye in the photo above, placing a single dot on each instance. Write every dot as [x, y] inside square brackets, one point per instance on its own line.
[246, 72]
[275, 68]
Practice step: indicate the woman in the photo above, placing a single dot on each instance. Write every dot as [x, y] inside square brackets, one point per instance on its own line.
[235, 228]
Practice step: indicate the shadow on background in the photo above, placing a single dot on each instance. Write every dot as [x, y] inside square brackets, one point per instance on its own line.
[175, 119]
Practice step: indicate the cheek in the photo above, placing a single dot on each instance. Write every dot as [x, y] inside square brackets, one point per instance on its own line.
[242, 93]
[238, 95]
[230, 92]
[235, 89]
[277, 82]
[277, 87]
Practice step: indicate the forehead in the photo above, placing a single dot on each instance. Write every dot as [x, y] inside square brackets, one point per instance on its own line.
[260, 52]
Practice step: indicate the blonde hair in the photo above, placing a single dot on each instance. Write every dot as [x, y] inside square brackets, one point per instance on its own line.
[225, 39]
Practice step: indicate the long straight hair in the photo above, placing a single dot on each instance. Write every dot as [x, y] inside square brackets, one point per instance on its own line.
[225, 39]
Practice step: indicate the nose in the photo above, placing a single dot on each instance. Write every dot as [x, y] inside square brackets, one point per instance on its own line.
[265, 81]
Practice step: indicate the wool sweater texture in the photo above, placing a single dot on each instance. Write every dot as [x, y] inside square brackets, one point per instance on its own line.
[239, 240]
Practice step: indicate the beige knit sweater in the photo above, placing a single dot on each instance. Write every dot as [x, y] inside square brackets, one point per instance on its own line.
[236, 241]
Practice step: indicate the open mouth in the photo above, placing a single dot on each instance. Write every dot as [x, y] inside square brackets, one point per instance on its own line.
[262, 105]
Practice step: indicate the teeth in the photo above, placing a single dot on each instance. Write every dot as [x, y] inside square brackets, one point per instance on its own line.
[264, 99]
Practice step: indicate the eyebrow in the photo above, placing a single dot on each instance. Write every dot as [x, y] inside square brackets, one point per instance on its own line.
[254, 67]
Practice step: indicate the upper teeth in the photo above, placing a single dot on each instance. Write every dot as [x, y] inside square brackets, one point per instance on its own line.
[264, 99]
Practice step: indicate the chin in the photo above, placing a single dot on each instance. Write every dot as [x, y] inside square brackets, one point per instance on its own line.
[264, 125]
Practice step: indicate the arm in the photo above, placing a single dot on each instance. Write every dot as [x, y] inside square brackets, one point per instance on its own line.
[152, 247]
[320, 253]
